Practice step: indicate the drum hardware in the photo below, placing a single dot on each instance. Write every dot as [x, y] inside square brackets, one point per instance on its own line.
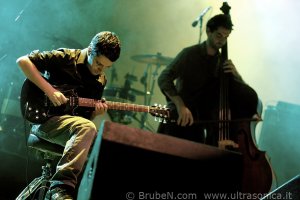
[127, 93]
[158, 60]
[130, 78]
[118, 94]
[113, 76]
[127, 85]
[139, 120]
[122, 94]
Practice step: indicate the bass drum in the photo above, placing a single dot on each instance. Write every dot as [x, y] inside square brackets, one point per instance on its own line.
[122, 95]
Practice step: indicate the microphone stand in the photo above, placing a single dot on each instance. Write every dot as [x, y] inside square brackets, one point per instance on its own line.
[200, 19]
[200, 26]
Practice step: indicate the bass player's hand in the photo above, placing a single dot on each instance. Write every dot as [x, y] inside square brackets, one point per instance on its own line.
[185, 116]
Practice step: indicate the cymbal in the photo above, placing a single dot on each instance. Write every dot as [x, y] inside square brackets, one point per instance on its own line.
[157, 59]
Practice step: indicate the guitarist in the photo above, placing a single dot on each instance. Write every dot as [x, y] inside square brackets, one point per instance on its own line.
[82, 69]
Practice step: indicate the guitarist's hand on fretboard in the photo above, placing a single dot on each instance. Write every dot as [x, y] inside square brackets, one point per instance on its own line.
[100, 108]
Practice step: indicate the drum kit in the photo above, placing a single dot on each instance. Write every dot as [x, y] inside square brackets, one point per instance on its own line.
[127, 94]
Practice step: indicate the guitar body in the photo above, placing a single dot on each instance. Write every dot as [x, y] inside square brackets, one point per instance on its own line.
[32, 103]
[37, 108]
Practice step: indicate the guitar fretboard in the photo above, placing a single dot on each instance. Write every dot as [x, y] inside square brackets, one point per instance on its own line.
[84, 102]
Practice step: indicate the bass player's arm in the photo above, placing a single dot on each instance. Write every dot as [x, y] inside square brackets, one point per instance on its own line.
[185, 116]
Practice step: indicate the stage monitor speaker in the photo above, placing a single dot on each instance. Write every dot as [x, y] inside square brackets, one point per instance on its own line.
[126, 160]
[280, 138]
[289, 190]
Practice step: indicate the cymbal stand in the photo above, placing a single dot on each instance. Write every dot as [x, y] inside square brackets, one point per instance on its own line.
[148, 94]
[144, 81]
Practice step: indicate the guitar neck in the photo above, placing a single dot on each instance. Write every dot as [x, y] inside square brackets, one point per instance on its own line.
[85, 102]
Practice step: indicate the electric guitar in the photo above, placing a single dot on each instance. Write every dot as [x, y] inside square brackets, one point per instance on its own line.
[37, 108]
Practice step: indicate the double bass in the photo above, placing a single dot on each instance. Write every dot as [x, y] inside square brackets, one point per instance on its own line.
[235, 128]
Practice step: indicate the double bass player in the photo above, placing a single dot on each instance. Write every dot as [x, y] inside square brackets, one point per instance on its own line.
[191, 84]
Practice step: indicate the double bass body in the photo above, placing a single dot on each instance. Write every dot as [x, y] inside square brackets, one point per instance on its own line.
[237, 134]
[257, 174]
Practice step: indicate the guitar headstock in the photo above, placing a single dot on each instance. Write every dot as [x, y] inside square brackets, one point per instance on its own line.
[161, 112]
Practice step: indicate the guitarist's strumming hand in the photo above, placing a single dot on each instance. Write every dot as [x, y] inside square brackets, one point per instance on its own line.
[57, 98]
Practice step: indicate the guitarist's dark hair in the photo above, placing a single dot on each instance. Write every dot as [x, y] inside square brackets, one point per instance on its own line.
[106, 43]
[220, 20]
